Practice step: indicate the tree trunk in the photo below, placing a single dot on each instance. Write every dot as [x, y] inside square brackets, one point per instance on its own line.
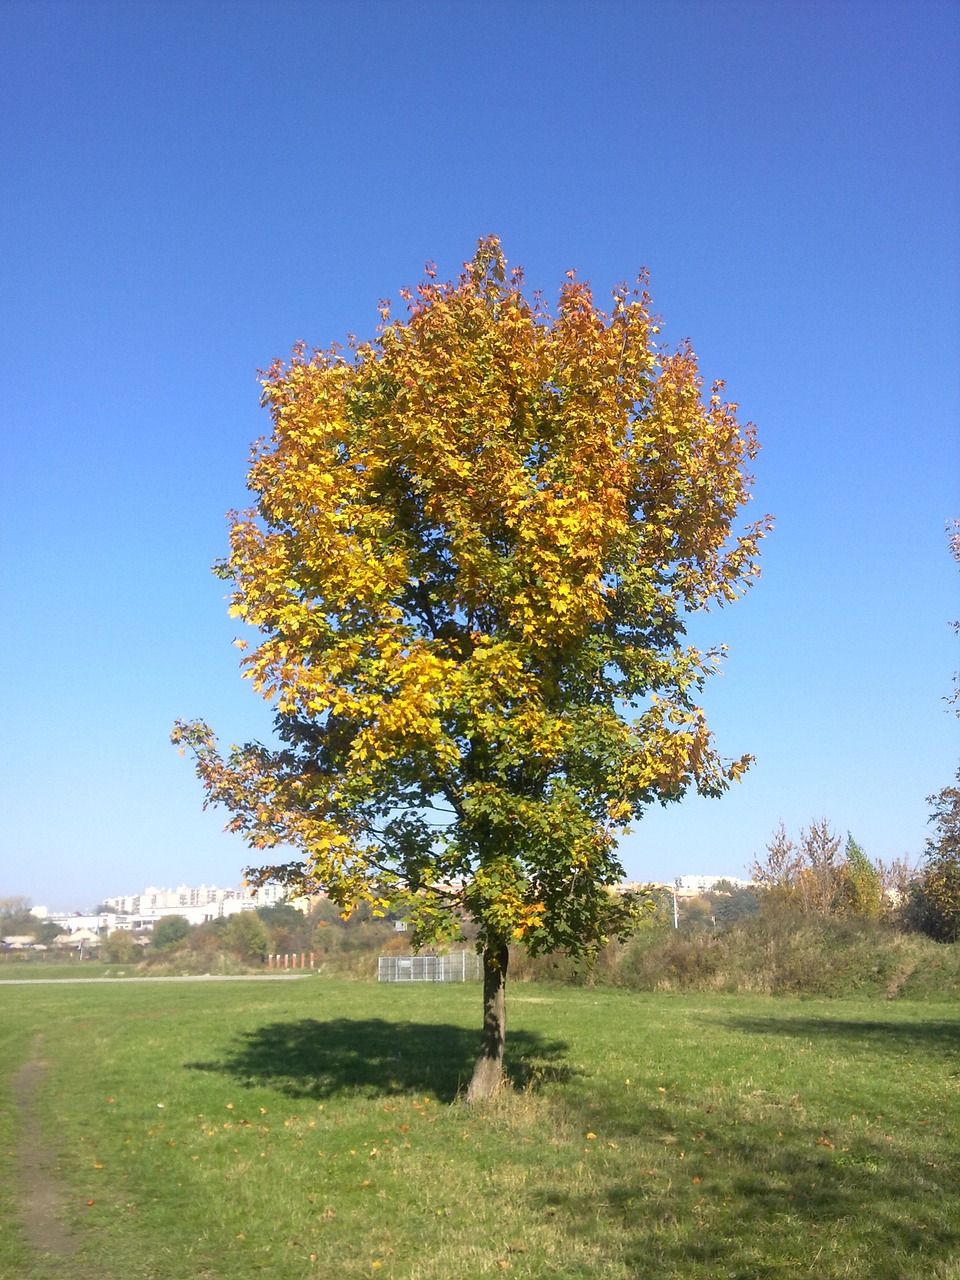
[488, 1071]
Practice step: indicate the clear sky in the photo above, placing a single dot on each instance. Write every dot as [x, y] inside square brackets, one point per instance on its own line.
[190, 188]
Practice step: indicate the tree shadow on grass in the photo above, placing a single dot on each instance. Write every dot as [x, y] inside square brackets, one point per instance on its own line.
[727, 1187]
[930, 1035]
[741, 1198]
[312, 1059]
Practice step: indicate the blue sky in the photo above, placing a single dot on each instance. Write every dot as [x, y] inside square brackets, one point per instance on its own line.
[190, 188]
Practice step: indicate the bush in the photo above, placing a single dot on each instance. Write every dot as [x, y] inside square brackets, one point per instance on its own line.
[120, 947]
[169, 931]
[246, 936]
[187, 963]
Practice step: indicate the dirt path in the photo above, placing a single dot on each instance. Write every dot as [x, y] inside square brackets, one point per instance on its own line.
[42, 1198]
[196, 977]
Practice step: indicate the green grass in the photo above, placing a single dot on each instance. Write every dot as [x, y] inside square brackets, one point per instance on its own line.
[310, 1130]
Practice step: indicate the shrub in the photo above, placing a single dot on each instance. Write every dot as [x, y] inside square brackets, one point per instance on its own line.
[246, 936]
[120, 947]
[169, 932]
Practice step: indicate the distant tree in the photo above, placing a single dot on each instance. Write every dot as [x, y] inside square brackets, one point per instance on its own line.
[289, 928]
[246, 936]
[696, 912]
[282, 914]
[14, 906]
[120, 947]
[777, 873]
[801, 876]
[326, 912]
[740, 904]
[476, 544]
[859, 891]
[936, 892]
[169, 931]
[896, 877]
[19, 924]
[208, 937]
[817, 880]
[48, 931]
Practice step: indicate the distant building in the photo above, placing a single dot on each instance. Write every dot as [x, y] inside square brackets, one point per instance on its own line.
[691, 886]
[196, 903]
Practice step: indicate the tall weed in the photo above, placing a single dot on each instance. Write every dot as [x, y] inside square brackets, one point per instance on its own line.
[773, 954]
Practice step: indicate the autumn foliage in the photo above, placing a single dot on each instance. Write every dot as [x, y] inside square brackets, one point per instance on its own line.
[475, 542]
[935, 893]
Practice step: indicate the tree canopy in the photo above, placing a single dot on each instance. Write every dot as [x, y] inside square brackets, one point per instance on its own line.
[475, 544]
[169, 931]
[936, 892]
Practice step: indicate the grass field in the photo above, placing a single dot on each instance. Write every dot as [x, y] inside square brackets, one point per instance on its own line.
[310, 1129]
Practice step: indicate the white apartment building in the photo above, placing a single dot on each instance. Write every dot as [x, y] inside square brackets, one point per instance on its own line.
[690, 886]
[197, 904]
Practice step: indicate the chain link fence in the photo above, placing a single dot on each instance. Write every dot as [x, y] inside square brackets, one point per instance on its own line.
[461, 966]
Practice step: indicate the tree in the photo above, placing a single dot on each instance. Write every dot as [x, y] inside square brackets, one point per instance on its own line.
[19, 923]
[777, 873]
[859, 890]
[48, 931]
[936, 893]
[803, 877]
[169, 931]
[120, 947]
[246, 935]
[14, 906]
[289, 929]
[741, 904]
[811, 878]
[475, 543]
[16, 918]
